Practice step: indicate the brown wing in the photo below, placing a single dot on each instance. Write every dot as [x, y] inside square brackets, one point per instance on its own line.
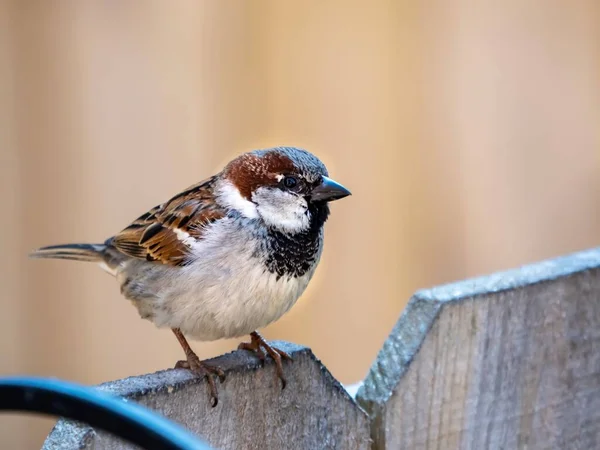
[166, 232]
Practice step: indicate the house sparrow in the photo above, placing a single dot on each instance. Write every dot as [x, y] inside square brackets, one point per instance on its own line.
[225, 257]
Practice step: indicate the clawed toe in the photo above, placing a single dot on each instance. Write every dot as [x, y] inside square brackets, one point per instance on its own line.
[182, 364]
[259, 346]
[257, 350]
[203, 370]
[218, 372]
[200, 369]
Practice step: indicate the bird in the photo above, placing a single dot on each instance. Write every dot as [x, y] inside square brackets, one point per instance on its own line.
[226, 256]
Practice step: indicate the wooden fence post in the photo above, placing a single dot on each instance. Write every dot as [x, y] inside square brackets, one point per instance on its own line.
[313, 411]
[506, 361]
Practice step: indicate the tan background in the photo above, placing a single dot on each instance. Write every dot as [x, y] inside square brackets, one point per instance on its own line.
[467, 131]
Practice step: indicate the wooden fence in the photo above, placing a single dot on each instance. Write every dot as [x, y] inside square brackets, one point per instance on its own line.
[506, 361]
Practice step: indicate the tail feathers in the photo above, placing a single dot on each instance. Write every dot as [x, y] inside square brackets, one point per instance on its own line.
[76, 252]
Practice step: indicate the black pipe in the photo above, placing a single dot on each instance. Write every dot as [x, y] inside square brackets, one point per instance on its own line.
[128, 421]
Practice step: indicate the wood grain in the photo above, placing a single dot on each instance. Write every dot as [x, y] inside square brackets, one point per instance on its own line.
[314, 411]
[508, 361]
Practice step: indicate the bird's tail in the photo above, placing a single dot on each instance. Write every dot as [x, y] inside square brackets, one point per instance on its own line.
[76, 252]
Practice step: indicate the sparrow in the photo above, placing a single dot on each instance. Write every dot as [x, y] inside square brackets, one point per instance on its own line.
[226, 256]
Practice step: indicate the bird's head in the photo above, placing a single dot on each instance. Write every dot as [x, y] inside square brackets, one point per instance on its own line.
[288, 188]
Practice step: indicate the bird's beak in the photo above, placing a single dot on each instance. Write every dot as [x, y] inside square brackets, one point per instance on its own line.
[328, 191]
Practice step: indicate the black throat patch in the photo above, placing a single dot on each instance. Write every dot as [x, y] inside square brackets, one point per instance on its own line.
[295, 254]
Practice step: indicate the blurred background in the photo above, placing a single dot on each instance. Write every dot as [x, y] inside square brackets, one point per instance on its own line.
[468, 132]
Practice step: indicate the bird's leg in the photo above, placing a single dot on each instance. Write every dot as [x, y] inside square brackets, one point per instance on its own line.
[259, 346]
[199, 368]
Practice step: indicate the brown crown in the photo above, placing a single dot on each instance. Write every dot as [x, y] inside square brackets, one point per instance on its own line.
[249, 172]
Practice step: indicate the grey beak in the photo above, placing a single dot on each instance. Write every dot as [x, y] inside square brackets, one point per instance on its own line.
[328, 191]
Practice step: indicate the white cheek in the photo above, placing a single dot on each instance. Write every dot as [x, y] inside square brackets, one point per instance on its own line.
[283, 211]
[230, 196]
[285, 222]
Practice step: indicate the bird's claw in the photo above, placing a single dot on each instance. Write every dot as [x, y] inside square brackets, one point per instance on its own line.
[203, 370]
[260, 347]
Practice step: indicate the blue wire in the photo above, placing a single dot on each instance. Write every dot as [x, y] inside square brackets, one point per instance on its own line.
[129, 421]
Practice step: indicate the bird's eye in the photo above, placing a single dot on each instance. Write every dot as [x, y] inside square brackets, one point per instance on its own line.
[290, 182]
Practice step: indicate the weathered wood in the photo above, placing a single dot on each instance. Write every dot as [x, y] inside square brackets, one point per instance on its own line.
[507, 361]
[314, 411]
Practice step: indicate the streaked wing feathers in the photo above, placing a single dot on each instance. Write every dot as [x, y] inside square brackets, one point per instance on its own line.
[166, 232]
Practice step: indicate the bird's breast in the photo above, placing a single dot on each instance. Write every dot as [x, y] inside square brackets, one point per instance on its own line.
[230, 290]
[234, 301]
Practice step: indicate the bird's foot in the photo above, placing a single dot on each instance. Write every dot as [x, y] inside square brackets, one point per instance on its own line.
[259, 346]
[204, 370]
